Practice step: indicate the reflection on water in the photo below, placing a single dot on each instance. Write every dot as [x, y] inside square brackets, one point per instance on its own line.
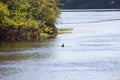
[8, 71]
[20, 46]
[91, 52]
[21, 56]
[15, 46]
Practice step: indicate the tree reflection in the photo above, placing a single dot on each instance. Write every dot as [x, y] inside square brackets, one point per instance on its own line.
[24, 56]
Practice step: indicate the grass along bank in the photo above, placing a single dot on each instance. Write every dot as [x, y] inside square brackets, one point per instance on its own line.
[64, 30]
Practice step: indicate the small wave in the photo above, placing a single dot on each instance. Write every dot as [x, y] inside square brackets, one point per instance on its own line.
[108, 64]
[97, 21]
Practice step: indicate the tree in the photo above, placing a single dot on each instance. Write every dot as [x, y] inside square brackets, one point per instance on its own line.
[3, 12]
[31, 13]
[90, 4]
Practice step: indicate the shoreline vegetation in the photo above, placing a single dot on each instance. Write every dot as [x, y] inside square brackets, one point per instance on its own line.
[64, 30]
[23, 20]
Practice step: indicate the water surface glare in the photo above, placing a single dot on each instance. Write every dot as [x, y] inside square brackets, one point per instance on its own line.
[91, 52]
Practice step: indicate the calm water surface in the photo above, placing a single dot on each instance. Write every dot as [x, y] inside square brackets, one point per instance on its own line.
[91, 52]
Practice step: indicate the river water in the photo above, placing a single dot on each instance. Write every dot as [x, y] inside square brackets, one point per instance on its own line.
[91, 52]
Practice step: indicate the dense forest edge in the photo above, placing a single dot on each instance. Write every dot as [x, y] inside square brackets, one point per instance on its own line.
[28, 20]
[89, 4]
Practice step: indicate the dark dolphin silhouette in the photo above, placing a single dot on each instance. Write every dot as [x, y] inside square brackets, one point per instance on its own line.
[62, 45]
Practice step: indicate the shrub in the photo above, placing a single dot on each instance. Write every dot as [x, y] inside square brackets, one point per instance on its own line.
[32, 13]
[3, 12]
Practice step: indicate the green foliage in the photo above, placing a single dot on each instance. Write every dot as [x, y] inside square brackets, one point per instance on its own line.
[46, 10]
[3, 12]
[29, 23]
[48, 30]
[28, 13]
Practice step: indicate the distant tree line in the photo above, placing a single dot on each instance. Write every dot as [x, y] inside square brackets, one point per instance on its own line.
[89, 4]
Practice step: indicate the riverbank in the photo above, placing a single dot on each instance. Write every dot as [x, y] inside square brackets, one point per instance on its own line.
[26, 34]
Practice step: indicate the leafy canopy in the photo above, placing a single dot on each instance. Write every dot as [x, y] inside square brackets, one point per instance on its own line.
[28, 13]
